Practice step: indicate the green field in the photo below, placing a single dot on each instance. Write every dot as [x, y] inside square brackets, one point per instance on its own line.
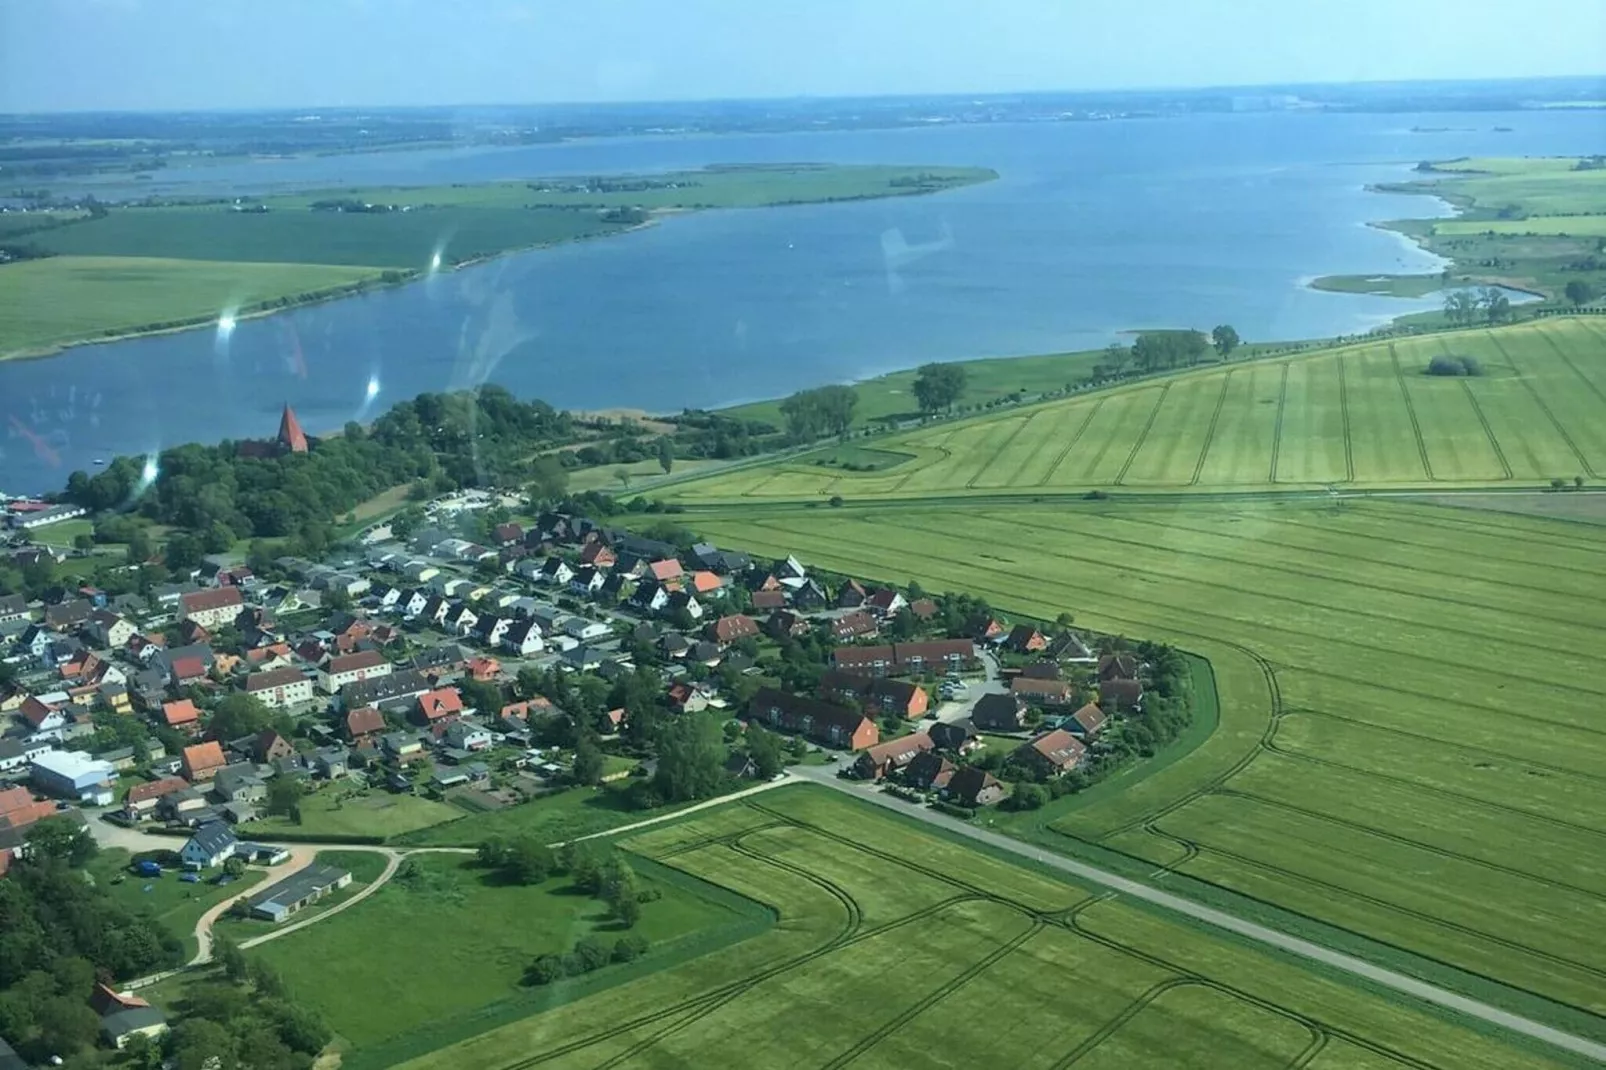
[46, 303]
[1364, 415]
[899, 948]
[177, 905]
[141, 267]
[435, 951]
[337, 810]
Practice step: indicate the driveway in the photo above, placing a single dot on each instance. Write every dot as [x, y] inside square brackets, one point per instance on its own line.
[1260, 934]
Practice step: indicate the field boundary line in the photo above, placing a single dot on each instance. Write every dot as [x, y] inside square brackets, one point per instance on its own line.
[1059, 458]
[1556, 347]
[1526, 380]
[1122, 1017]
[1343, 413]
[1143, 436]
[1410, 410]
[1494, 443]
[1277, 434]
[1464, 529]
[1210, 433]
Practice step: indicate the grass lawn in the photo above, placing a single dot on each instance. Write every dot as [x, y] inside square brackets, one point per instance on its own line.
[467, 942]
[857, 889]
[605, 477]
[62, 533]
[176, 904]
[551, 819]
[63, 298]
[342, 810]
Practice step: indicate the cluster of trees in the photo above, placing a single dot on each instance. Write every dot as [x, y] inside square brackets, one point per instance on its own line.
[1466, 307]
[590, 953]
[1163, 350]
[1446, 364]
[1580, 292]
[59, 934]
[243, 1017]
[215, 495]
[825, 410]
[605, 876]
[714, 435]
[939, 386]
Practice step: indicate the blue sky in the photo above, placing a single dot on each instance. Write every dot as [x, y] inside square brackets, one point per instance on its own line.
[168, 54]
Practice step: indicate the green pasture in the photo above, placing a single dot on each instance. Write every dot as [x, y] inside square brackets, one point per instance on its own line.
[341, 810]
[1360, 415]
[50, 302]
[912, 949]
[177, 905]
[1409, 742]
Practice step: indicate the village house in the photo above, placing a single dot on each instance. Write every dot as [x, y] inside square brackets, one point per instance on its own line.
[352, 669]
[1086, 722]
[887, 758]
[854, 625]
[439, 707]
[598, 555]
[999, 713]
[1121, 694]
[973, 787]
[211, 608]
[466, 736]
[270, 746]
[108, 630]
[278, 688]
[210, 846]
[363, 725]
[182, 716]
[770, 600]
[785, 624]
[1025, 639]
[239, 783]
[885, 603]
[929, 771]
[297, 891]
[141, 801]
[202, 761]
[523, 638]
[850, 595]
[1053, 752]
[1042, 692]
[727, 630]
[876, 695]
[897, 659]
[13, 607]
[1119, 665]
[403, 746]
[400, 688]
[822, 722]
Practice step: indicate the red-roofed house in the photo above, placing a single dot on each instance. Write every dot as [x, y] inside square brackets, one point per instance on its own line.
[211, 608]
[438, 707]
[202, 761]
[727, 630]
[142, 798]
[1088, 721]
[351, 669]
[484, 668]
[666, 571]
[18, 809]
[182, 715]
[364, 724]
[599, 555]
[41, 716]
[891, 756]
[706, 582]
[187, 670]
[1053, 752]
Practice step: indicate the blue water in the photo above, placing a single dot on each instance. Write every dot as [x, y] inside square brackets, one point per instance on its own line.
[1093, 229]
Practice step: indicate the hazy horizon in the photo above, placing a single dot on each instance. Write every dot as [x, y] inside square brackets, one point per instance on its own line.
[231, 55]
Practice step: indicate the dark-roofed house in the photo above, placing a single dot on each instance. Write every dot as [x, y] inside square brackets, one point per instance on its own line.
[1025, 639]
[889, 757]
[855, 625]
[974, 787]
[399, 688]
[13, 607]
[1121, 694]
[934, 655]
[212, 607]
[999, 713]
[363, 724]
[784, 624]
[1041, 670]
[67, 616]
[958, 736]
[1053, 752]
[212, 845]
[1087, 722]
[822, 722]
[1118, 666]
[1042, 692]
[929, 771]
[297, 891]
[850, 595]
[270, 746]
[277, 688]
[876, 695]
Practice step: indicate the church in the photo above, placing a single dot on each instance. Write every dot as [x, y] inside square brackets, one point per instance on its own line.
[291, 439]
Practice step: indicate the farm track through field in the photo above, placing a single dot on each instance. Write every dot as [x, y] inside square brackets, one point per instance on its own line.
[1148, 425]
[1277, 431]
[1494, 442]
[1210, 432]
[1306, 603]
[1317, 1045]
[1339, 892]
[999, 452]
[1555, 347]
[1169, 524]
[1486, 752]
[1527, 381]
[1129, 1012]
[1227, 791]
[1410, 409]
[1382, 588]
[1433, 789]
[1065, 451]
[1343, 416]
[1490, 525]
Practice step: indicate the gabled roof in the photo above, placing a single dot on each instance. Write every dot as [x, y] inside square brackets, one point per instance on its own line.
[1058, 748]
[364, 721]
[203, 756]
[267, 681]
[156, 789]
[363, 659]
[667, 569]
[1090, 719]
[969, 782]
[212, 598]
[1118, 666]
[995, 710]
[179, 713]
[442, 702]
[213, 838]
[188, 668]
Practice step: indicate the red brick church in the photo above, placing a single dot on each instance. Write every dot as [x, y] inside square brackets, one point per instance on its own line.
[291, 439]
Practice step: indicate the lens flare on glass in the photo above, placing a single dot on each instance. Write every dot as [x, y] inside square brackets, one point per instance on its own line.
[226, 323]
[373, 387]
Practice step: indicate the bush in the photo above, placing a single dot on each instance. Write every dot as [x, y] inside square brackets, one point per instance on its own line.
[954, 810]
[629, 948]
[835, 502]
[592, 953]
[1452, 365]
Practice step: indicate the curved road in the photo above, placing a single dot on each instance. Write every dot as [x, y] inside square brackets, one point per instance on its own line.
[1399, 982]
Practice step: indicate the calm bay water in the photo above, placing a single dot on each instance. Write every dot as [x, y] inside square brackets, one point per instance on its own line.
[1093, 229]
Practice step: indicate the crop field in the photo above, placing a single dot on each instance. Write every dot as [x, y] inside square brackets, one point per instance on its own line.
[897, 947]
[1358, 416]
[1410, 745]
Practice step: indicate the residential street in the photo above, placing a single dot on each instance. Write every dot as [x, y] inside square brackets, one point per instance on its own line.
[1399, 982]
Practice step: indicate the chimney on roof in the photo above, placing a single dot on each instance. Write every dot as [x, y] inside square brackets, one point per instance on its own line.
[291, 437]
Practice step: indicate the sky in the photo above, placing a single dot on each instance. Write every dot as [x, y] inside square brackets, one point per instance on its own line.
[65, 55]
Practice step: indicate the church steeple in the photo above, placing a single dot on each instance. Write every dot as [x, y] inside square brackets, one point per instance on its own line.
[291, 437]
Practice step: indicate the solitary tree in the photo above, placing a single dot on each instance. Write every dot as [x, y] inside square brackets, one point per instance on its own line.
[1461, 306]
[666, 454]
[1579, 292]
[1225, 339]
[939, 386]
[623, 476]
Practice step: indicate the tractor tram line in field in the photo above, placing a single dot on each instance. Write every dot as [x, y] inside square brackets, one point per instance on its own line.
[1065, 451]
[1494, 441]
[1410, 409]
[1210, 432]
[1465, 522]
[1277, 433]
[1343, 416]
[1527, 381]
[1567, 359]
[1143, 435]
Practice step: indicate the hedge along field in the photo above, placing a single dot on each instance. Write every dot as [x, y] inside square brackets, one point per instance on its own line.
[1365, 415]
[899, 947]
[1469, 636]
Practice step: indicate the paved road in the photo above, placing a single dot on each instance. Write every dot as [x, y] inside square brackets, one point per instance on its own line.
[1258, 933]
